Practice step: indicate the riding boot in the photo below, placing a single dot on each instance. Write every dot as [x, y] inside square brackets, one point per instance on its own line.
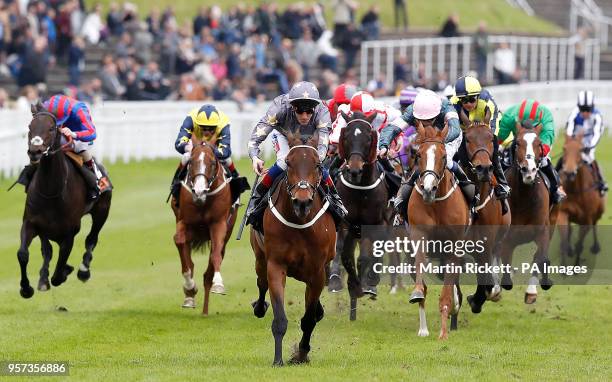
[603, 186]
[256, 198]
[502, 190]
[400, 202]
[91, 179]
[175, 186]
[337, 208]
[333, 165]
[467, 186]
[556, 192]
[26, 175]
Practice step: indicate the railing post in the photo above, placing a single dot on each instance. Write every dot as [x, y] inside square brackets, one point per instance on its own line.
[390, 63]
[364, 64]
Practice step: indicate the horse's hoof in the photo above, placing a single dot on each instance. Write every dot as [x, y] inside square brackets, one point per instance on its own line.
[530, 298]
[443, 336]
[189, 303]
[595, 249]
[495, 294]
[298, 358]
[475, 307]
[578, 249]
[43, 285]
[423, 333]
[371, 290]
[218, 289]
[546, 284]
[68, 270]
[277, 363]
[83, 275]
[393, 290]
[416, 296]
[57, 281]
[335, 284]
[26, 292]
[259, 310]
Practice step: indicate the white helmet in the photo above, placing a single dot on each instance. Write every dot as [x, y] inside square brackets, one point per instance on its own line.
[586, 99]
[427, 105]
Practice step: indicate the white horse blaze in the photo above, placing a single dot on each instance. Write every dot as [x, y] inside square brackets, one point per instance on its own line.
[429, 179]
[529, 138]
[357, 131]
[200, 183]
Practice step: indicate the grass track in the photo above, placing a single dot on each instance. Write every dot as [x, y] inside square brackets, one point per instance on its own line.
[126, 322]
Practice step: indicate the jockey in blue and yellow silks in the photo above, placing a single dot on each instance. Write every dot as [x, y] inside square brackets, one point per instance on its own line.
[210, 125]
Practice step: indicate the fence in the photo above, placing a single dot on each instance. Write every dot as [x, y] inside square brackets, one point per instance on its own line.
[146, 130]
[542, 58]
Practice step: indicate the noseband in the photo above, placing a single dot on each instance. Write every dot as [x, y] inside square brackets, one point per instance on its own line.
[50, 150]
[359, 153]
[210, 181]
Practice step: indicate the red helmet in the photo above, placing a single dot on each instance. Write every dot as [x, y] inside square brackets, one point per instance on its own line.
[344, 93]
[363, 102]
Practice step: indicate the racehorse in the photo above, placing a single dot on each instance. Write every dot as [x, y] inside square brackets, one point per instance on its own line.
[533, 218]
[479, 147]
[364, 192]
[204, 215]
[299, 242]
[55, 203]
[584, 204]
[436, 201]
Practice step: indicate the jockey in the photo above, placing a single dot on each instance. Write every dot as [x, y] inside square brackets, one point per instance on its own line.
[75, 120]
[586, 119]
[342, 96]
[532, 111]
[473, 104]
[299, 111]
[209, 125]
[428, 106]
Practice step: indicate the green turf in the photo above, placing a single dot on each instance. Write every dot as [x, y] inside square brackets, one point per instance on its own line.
[421, 13]
[126, 323]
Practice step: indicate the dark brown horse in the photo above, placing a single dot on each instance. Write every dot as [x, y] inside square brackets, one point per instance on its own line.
[364, 192]
[55, 203]
[533, 218]
[299, 242]
[436, 201]
[205, 215]
[584, 204]
[479, 146]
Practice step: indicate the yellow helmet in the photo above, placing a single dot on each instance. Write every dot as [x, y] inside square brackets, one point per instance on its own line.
[467, 86]
[207, 115]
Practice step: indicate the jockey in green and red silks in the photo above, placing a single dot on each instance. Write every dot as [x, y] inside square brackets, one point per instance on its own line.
[532, 111]
[299, 112]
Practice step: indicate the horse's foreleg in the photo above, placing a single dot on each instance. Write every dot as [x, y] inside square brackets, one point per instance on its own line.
[23, 255]
[277, 276]
[418, 293]
[347, 253]
[423, 331]
[62, 269]
[369, 278]
[47, 253]
[309, 321]
[217, 234]
[181, 240]
[582, 232]
[595, 248]
[448, 303]
[99, 214]
[563, 225]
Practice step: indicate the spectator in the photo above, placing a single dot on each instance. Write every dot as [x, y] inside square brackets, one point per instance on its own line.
[327, 54]
[399, 9]
[114, 19]
[370, 24]
[351, 45]
[504, 64]
[344, 15]
[223, 90]
[48, 28]
[154, 23]
[233, 62]
[169, 47]
[152, 82]
[481, 47]
[202, 20]
[93, 26]
[143, 43]
[91, 92]
[377, 87]
[35, 63]
[420, 78]
[304, 52]
[64, 31]
[441, 81]
[401, 69]
[579, 40]
[76, 60]
[111, 86]
[451, 26]
[125, 47]
[28, 96]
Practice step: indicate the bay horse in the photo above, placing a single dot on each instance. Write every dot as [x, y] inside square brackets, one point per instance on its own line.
[204, 215]
[490, 222]
[299, 242]
[55, 203]
[584, 204]
[436, 201]
[364, 192]
[533, 218]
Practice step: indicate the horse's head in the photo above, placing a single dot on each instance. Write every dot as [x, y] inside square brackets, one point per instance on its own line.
[572, 156]
[358, 143]
[478, 142]
[43, 133]
[304, 173]
[202, 171]
[528, 150]
[431, 158]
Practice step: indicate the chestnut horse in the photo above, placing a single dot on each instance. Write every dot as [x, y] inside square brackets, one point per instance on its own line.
[533, 218]
[435, 201]
[299, 242]
[55, 204]
[479, 148]
[205, 215]
[364, 192]
[584, 204]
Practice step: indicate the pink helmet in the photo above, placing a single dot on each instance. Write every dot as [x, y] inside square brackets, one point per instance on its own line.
[427, 105]
[363, 102]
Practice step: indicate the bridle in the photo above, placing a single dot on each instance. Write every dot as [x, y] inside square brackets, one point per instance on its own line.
[432, 172]
[54, 141]
[527, 156]
[358, 153]
[209, 182]
[303, 184]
